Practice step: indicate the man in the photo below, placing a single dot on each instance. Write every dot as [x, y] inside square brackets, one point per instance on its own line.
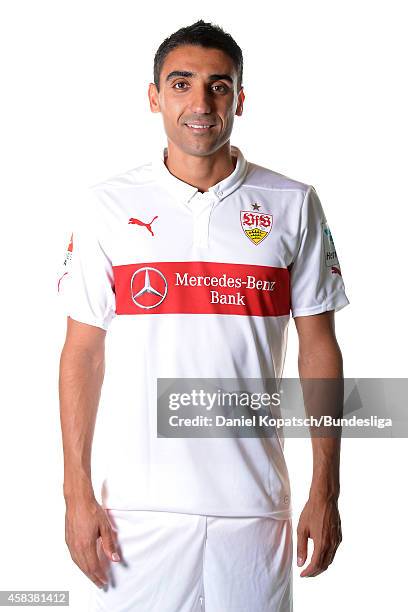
[200, 256]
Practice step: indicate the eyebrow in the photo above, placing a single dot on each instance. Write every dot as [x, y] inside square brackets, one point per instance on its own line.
[212, 77]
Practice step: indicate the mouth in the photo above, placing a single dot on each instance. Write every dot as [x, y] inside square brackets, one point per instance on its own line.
[199, 127]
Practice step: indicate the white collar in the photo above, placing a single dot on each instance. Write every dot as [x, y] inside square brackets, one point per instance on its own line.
[183, 192]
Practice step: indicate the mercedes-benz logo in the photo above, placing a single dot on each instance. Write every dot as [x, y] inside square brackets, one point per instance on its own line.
[148, 296]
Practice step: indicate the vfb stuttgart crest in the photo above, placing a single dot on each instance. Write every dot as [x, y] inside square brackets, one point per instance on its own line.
[256, 225]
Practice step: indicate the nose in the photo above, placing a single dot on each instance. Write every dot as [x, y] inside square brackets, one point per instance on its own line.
[200, 101]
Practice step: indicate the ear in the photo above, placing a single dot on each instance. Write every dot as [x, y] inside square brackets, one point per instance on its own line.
[240, 103]
[153, 95]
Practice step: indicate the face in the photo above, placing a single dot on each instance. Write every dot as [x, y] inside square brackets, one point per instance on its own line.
[205, 94]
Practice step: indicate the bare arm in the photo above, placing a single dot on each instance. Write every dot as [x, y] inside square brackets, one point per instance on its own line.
[320, 358]
[82, 367]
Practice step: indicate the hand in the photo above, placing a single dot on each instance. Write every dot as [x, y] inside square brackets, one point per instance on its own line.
[85, 522]
[320, 521]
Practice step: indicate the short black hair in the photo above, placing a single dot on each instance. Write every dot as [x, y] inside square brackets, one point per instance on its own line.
[202, 34]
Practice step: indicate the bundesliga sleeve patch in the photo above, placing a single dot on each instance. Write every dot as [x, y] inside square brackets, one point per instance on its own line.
[330, 254]
[67, 260]
[68, 255]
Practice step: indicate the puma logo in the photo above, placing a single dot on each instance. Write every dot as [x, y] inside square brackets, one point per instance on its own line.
[146, 225]
[335, 270]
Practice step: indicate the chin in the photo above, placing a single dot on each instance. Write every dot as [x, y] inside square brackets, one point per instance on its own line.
[199, 149]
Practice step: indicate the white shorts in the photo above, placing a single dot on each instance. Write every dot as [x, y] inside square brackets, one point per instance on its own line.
[174, 562]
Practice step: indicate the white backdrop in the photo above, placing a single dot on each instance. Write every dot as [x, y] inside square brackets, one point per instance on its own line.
[326, 101]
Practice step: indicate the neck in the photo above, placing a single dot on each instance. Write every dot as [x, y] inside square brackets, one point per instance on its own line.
[200, 171]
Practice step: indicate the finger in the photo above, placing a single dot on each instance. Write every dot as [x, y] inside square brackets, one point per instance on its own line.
[109, 541]
[328, 552]
[95, 578]
[81, 562]
[332, 549]
[302, 537]
[324, 563]
[97, 570]
[110, 519]
[315, 561]
[94, 567]
[329, 558]
[333, 552]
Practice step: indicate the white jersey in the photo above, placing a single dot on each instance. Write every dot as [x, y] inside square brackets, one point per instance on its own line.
[197, 285]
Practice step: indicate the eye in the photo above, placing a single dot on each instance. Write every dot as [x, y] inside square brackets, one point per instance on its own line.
[224, 88]
[179, 83]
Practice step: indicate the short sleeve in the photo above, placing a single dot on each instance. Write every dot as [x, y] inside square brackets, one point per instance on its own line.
[85, 286]
[315, 276]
